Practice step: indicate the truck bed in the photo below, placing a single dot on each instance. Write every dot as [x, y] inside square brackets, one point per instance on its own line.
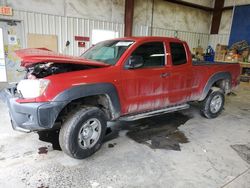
[202, 72]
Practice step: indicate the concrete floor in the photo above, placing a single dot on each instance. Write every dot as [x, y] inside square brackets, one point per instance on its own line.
[206, 160]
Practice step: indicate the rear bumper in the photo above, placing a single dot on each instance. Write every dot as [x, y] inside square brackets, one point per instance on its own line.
[31, 116]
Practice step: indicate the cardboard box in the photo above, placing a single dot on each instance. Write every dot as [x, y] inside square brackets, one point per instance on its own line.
[220, 47]
[245, 54]
[233, 58]
[220, 56]
[198, 51]
[237, 58]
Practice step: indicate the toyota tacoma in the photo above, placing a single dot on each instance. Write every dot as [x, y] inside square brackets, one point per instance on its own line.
[120, 79]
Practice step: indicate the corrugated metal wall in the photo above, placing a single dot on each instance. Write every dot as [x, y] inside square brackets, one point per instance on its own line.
[64, 27]
[193, 39]
[67, 27]
[218, 39]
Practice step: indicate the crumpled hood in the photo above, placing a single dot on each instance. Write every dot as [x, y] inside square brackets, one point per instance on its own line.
[30, 56]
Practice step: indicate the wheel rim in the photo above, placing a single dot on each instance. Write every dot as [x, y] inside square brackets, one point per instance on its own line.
[215, 103]
[89, 133]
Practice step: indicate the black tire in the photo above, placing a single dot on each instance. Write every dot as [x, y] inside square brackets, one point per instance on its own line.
[206, 109]
[70, 131]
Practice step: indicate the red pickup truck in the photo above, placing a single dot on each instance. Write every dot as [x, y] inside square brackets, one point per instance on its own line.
[119, 79]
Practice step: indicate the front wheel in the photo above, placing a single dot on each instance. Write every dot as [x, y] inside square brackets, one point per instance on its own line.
[82, 133]
[213, 104]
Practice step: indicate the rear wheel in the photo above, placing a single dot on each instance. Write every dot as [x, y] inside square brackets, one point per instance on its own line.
[82, 133]
[213, 103]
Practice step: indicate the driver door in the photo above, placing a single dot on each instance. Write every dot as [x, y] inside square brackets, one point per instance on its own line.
[142, 87]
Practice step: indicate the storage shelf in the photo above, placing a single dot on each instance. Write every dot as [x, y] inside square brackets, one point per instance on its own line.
[244, 77]
[244, 65]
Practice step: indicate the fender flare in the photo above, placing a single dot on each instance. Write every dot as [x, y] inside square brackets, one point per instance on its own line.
[214, 78]
[86, 90]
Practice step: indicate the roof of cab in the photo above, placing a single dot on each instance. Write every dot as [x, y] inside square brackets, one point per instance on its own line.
[146, 38]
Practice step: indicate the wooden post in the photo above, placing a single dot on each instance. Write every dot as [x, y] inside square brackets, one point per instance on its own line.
[217, 13]
[128, 18]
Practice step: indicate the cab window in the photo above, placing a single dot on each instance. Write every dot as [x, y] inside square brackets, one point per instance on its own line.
[178, 53]
[152, 54]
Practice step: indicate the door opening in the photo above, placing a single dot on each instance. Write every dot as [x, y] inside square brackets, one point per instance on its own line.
[11, 39]
[3, 77]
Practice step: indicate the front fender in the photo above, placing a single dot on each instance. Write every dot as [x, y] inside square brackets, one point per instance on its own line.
[87, 90]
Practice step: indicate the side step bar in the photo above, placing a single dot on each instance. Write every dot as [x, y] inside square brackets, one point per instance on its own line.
[153, 113]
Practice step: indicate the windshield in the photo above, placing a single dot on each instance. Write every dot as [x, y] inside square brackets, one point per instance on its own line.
[108, 51]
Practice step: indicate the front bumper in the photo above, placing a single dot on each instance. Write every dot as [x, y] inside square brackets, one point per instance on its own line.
[31, 116]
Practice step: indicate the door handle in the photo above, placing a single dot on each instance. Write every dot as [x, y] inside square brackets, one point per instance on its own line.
[166, 74]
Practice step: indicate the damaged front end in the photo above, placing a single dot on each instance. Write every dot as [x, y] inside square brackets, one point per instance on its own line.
[8, 96]
[26, 112]
[10, 91]
[41, 62]
[42, 70]
[27, 116]
[30, 116]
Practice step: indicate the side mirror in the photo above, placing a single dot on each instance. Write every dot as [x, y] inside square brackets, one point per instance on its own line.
[134, 62]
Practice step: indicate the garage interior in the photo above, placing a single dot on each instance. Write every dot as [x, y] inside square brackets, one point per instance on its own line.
[195, 151]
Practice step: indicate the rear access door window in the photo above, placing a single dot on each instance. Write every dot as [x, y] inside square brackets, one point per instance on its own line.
[178, 53]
